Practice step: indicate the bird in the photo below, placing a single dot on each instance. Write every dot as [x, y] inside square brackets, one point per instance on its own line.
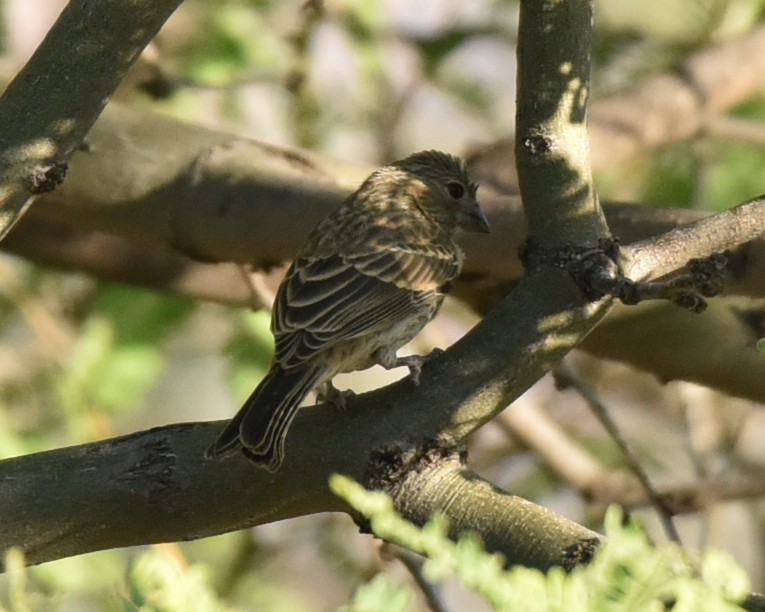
[368, 279]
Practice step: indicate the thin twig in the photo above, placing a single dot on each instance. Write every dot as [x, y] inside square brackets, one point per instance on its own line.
[565, 377]
[413, 563]
[262, 295]
[737, 128]
[528, 422]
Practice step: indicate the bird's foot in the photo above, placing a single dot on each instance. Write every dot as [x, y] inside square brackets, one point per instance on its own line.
[332, 395]
[415, 363]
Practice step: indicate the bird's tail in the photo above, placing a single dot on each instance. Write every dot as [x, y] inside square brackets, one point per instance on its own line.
[260, 426]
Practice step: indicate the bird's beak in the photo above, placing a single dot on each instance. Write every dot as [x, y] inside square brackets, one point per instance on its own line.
[474, 220]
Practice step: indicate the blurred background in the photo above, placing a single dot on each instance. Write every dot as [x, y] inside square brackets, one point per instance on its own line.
[371, 81]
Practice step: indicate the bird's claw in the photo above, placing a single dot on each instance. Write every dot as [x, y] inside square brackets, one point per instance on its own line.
[415, 363]
[332, 395]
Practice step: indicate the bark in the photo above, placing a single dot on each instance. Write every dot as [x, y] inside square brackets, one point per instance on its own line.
[74, 71]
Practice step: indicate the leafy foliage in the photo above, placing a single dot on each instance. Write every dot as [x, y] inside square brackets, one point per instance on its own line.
[158, 582]
[628, 572]
[118, 354]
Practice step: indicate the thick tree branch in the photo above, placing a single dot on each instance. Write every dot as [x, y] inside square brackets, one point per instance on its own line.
[206, 194]
[145, 160]
[72, 500]
[53, 102]
[113, 258]
[716, 348]
[151, 194]
[249, 202]
[536, 536]
[551, 145]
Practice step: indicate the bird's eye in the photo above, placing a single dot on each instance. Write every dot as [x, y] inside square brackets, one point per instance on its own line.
[455, 189]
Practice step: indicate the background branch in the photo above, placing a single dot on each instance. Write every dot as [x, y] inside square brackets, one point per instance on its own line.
[38, 139]
[658, 110]
[716, 348]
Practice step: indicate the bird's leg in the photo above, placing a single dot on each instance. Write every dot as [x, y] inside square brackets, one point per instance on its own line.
[388, 360]
[329, 393]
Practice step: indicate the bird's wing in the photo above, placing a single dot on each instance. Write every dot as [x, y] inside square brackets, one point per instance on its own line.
[414, 267]
[323, 302]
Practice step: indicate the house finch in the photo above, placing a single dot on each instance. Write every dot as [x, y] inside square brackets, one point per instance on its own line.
[371, 275]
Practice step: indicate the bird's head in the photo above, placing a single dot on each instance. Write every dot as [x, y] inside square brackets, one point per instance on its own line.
[451, 196]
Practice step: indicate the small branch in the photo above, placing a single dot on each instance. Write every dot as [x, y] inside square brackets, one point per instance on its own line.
[413, 564]
[601, 485]
[565, 377]
[746, 130]
[113, 258]
[663, 254]
[74, 71]
[598, 275]
[262, 296]
[572, 463]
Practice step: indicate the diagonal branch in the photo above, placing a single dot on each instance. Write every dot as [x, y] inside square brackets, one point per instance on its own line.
[74, 72]
[729, 229]
[72, 500]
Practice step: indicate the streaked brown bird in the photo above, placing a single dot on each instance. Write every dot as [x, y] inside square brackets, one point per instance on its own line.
[370, 277]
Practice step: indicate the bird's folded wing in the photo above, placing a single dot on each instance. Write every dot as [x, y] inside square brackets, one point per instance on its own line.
[412, 268]
[327, 301]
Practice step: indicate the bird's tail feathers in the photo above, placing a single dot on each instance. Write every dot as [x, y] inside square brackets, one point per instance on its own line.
[227, 443]
[260, 427]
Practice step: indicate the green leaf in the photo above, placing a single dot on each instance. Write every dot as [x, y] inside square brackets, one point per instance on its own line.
[140, 316]
[119, 352]
[627, 573]
[250, 351]
[158, 582]
[381, 593]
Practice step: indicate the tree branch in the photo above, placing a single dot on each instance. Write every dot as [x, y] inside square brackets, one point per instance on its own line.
[74, 71]
[147, 197]
[73, 500]
[601, 485]
[716, 348]
[672, 107]
[551, 145]
[729, 229]
[113, 258]
[661, 109]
